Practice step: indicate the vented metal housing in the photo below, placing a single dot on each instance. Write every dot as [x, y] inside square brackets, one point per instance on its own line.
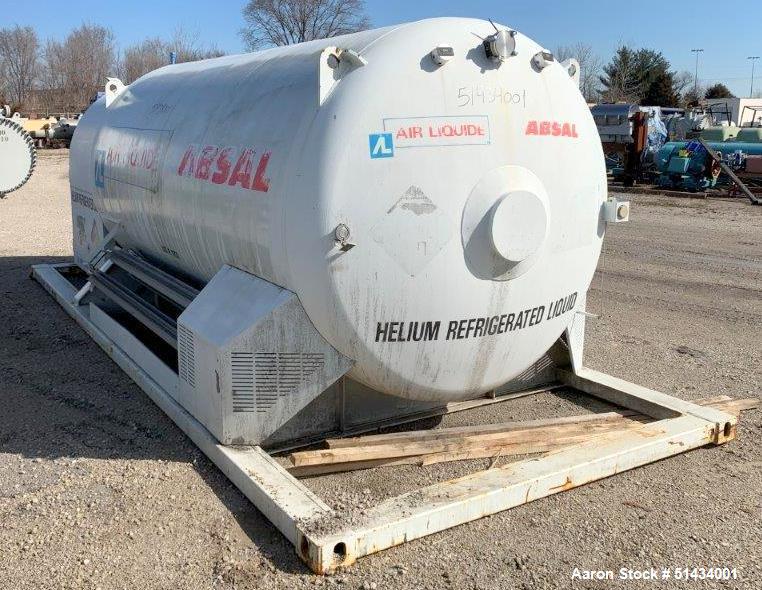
[249, 358]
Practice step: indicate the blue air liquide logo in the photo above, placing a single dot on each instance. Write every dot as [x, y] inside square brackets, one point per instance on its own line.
[381, 145]
[100, 165]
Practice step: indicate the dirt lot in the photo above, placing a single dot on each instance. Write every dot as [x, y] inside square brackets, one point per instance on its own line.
[98, 489]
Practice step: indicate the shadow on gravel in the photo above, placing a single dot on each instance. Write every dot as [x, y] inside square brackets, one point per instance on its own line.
[62, 397]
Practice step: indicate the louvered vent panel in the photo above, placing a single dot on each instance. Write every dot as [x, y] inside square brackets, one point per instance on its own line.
[266, 379]
[186, 355]
[277, 374]
[535, 374]
[242, 373]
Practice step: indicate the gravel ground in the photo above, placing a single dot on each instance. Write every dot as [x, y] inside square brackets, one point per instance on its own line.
[98, 489]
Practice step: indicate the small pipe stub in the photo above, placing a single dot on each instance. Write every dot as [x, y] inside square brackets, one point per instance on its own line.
[341, 235]
[542, 59]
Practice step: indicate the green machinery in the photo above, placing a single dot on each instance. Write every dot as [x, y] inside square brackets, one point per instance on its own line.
[686, 165]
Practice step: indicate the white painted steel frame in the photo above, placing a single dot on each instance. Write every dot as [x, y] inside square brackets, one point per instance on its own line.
[317, 532]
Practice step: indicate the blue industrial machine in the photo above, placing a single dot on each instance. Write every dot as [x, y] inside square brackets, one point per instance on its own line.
[686, 165]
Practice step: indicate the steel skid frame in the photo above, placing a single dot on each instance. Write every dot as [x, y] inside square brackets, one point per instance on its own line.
[327, 541]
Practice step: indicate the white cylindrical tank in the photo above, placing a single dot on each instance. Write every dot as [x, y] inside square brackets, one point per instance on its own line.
[469, 178]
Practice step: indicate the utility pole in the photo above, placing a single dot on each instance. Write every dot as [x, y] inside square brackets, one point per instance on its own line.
[695, 77]
[753, 58]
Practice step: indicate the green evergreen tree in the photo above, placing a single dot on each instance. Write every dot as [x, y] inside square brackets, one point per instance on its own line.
[639, 75]
[718, 90]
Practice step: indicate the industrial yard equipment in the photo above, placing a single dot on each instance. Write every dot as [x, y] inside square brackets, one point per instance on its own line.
[49, 131]
[686, 166]
[717, 159]
[17, 154]
[696, 164]
[631, 135]
[623, 129]
[718, 133]
[328, 237]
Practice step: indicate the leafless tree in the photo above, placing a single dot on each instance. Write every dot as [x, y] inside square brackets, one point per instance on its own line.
[589, 67]
[91, 59]
[142, 58]
[188, 48]
[284, 22]
[154, 53]
[19, 56]
[3, 84]
[76, 69]
[684, 86]
[52, 78]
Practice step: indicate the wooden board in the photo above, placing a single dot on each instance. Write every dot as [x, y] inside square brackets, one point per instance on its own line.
[459, 431]
[473, 442]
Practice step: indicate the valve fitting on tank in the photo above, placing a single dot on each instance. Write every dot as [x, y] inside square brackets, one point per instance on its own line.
[616, 211]
[542, 59]
[501, 45]
[341, 235]
[441, 54]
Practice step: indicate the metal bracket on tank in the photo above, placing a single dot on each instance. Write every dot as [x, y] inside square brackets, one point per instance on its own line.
[571, 66]
[114, 87]
[335, 63]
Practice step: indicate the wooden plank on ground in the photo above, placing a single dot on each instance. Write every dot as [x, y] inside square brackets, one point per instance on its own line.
[459, 431]
[470, 450]
[527, 448]
[541, 436]
[738, 405]
[463, 443]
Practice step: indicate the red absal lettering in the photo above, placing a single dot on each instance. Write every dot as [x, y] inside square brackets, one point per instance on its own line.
[222, 165]
[242, 171]
[188, 161]
[205, 159]
[260, 182]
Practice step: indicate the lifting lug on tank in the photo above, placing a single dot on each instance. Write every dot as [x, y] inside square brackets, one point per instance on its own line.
[114, 87]
[351, 57]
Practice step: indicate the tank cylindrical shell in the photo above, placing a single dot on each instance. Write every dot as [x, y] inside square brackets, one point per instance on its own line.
[470, 189]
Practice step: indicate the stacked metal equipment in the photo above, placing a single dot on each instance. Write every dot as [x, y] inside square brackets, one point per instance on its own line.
[631, 135]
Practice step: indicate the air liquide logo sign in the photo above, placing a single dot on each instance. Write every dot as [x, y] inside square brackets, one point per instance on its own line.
[381, 145]
[100, 168]
[411, 132]
[420, 132]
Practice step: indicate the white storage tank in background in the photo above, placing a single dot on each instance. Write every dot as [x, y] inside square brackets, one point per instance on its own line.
[435, 203]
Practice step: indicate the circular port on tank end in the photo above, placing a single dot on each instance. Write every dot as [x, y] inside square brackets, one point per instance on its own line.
[518, 225]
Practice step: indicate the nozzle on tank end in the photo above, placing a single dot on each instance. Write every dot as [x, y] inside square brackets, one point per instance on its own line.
[500, 46]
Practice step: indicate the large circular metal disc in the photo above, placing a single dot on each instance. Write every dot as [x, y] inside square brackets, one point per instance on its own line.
[17, 155]
[519, 225]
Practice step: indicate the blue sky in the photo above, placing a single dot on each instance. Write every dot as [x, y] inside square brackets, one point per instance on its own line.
[670, 27]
